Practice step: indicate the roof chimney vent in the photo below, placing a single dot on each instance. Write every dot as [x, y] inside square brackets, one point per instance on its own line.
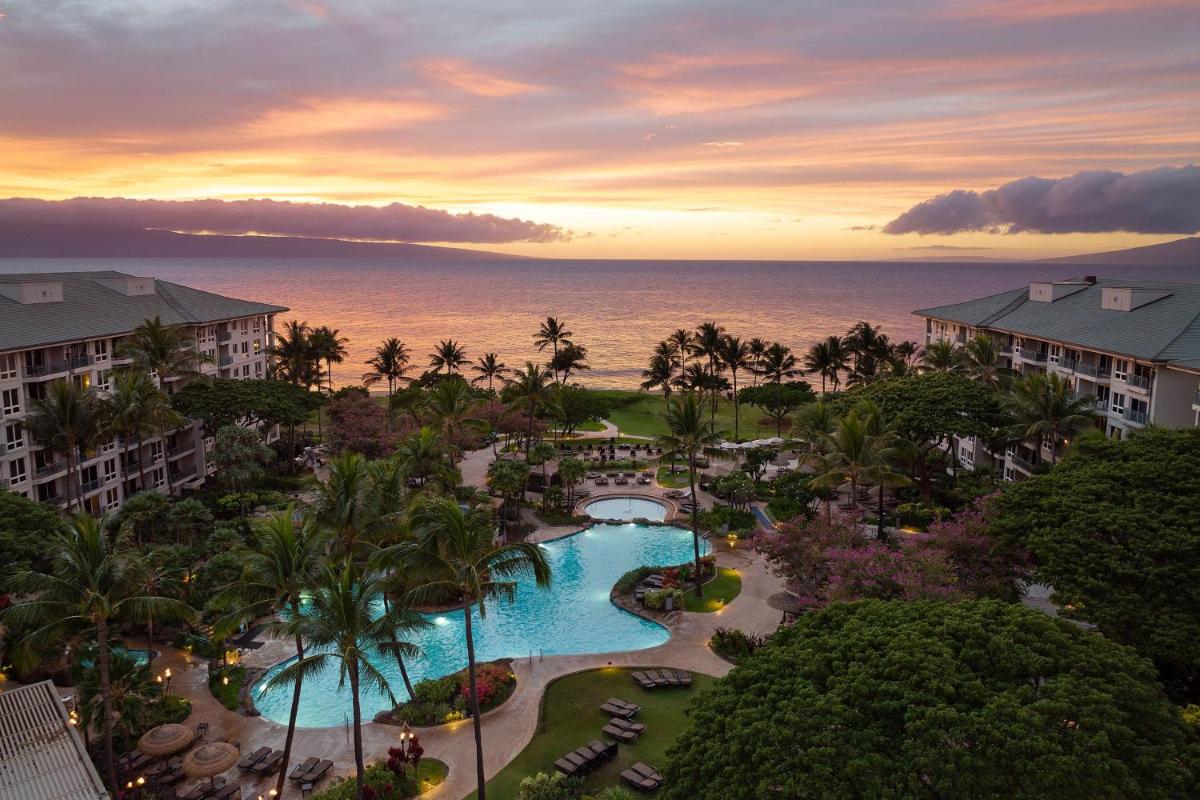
[1089, 278]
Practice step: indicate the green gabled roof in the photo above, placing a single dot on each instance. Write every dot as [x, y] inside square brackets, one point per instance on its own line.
[90, 309]
[1167, 329]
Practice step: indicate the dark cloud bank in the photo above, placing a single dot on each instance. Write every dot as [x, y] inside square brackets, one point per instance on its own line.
[1162, 200]
[391, 223]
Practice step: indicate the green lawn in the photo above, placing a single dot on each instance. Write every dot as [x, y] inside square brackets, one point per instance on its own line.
[677, 481]
[647, 416]
[571, 717]
[717, 592]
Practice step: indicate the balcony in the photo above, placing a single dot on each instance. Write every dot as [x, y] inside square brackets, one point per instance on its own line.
[1136, 417]
[1138, 382]
[180, 450]
[1019, 462]
[226, 361]
[1032, 356]
[1068, 364]
[90, 486]
[183, 475]
[1196, 400]
[50, 469]
[225, 337]
[55, 367]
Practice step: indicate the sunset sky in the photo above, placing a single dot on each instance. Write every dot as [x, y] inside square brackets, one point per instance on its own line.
[621, 129]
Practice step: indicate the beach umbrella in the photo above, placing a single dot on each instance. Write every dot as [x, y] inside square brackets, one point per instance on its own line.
[729, 445]
[210, 759]
[773, 440]
[165, 739]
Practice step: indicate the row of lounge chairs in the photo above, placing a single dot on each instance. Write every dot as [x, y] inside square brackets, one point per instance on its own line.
[215, 788]
[643, 777]
[583, 760]
[310, 770]
[655, 678]
[623, 730]
[263, 761]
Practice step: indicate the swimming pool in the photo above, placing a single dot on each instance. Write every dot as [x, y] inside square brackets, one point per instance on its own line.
[573, 616]
[627, 508]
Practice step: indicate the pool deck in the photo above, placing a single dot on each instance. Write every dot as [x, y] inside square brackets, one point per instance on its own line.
[506, 730]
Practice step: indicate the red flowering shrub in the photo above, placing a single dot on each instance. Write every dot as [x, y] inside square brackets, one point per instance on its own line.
[491, 682]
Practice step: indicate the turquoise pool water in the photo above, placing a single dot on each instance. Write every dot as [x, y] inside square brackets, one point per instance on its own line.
[627, 508]
[574, 616]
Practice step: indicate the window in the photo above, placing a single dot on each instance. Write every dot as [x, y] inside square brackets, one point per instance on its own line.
[8, 366]
[103, 380]
[1121, 369]
[245, 326]
[47, 493]
[10, 401]
[245, 348]
[83, 381]
[110, 470]
[1103, 392]
[156, 451]
[160, 479]
[14, 436]
[111, 499]
[1118, 402]
[1055, 353]
[100, 349]
[257, 346]
[89, 479]
[258, 369]
[16, 471]
[245, 370]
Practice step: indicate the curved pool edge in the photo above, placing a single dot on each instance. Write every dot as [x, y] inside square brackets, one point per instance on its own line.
[584, 528]
[669, 509]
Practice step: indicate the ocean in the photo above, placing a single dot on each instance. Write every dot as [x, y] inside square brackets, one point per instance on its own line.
[617, 309]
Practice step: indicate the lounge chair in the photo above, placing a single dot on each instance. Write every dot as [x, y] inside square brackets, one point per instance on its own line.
[316, 773]
[639, 781]
[617, 707]
[647, 771]
[619, 733]
[662, 677]
[567, 767]
[605, 751]
[302, 768]
[626, 725]
[684, 677]
[230, 792]
[644, 680]
[269, 764]
[250, 759]
[653, 580]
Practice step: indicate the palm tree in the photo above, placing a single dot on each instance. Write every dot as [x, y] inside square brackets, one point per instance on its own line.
[156, 576]
[827, 359]
[341, 628]
[456, 549]
[90, 589]
[541, 455]
[571, 471]
[450, 404]
[65, 421]
[529, 393]
[778, 363]
[690, 436]
[570, 358]
[659, 375]
[296, 360]
[735, 355]
[131, 691]
[552, 333]
[865, 343]
[1045, 410]
[329, 347]
[131, 411]
[943, 356]
[849, 452]
[281, 565]
[682, 339]
[347, 504]
[448, 355]
[422, 456]
[758, 349]
[389, 363]
[164, 350]
[490, 368]
[982, 355]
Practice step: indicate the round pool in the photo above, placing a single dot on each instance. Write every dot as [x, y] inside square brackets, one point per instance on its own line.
[627, 508]
[573, 616]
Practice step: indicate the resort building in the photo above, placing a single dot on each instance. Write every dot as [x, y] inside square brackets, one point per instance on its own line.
[1132, 347]
[42, 756]
[71, 326]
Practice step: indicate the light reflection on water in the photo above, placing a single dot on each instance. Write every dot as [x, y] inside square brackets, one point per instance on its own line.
[618, 309]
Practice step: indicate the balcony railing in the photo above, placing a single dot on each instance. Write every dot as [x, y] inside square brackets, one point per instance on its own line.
[181, 449]
[1068, 364]
[225, 337]
[1035, 356]
[1137, 417]
[1138, 382]
[53, 367]
[226, 361]
[1196, 399]
[1020, 462]
[183, 475]
[90, 486]
[1086, 370]
[50, 469]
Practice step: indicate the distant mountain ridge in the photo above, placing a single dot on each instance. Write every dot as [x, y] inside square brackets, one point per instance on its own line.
[1179, 253]
[60, 240]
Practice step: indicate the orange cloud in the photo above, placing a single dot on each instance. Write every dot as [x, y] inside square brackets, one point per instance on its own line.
[317, 116]
[1034, 10]
[461, 74]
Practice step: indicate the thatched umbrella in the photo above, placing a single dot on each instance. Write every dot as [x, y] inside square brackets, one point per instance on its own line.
[210, 759]
[165, 739]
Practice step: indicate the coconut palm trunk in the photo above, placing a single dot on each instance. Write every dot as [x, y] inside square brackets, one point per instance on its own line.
[478, 725]
[695, 523]
[359, 766]
[387, 610]
[106, 726]
[291, 730]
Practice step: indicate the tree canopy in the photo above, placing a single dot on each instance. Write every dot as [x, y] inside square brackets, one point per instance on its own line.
[27, 532]
[927, 700]
[929, 407]
[256, 403]
[1115, 530]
